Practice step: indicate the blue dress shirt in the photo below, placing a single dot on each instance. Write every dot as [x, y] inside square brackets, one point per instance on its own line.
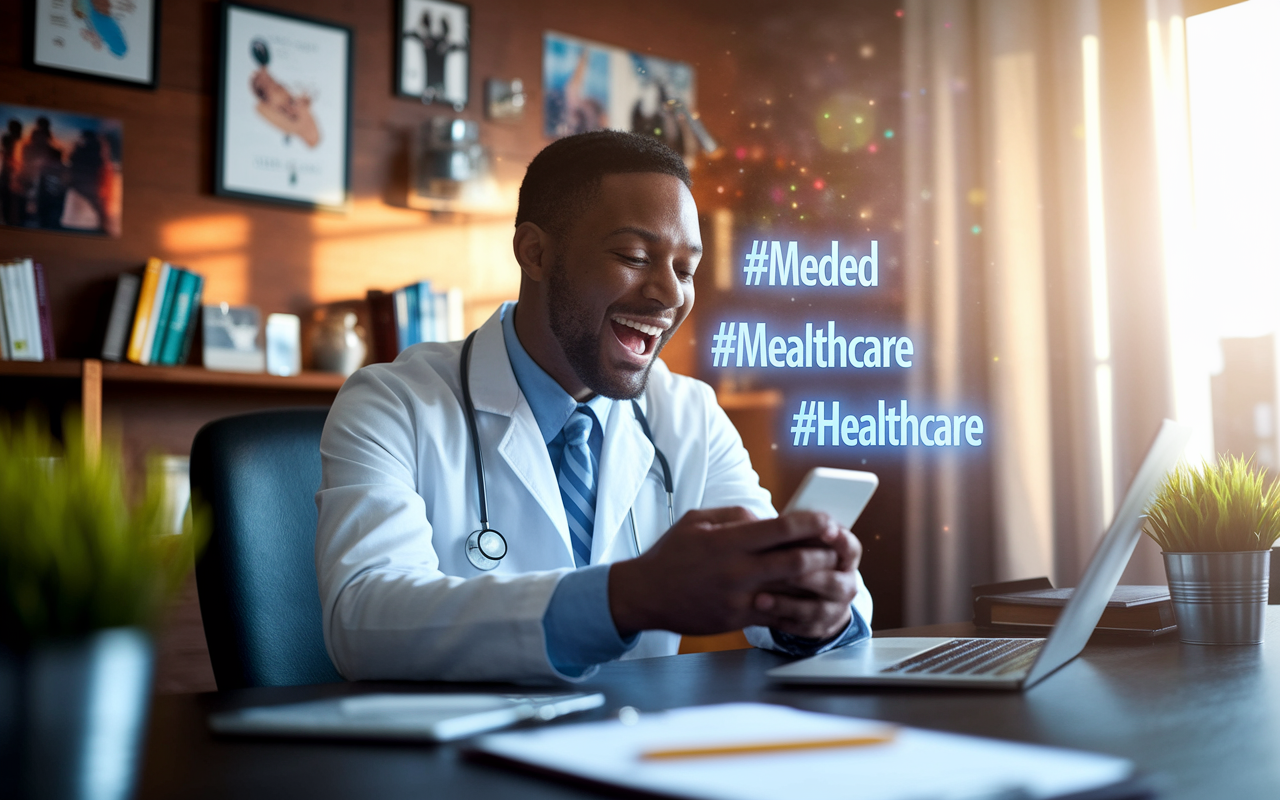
[578, 624]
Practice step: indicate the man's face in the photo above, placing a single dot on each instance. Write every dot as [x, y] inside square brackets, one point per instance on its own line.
[622, 281]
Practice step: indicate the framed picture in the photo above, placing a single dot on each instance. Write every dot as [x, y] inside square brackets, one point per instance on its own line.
[588, 86]
[284, 109]
[117, 42]
[61, 171]
[433, 58]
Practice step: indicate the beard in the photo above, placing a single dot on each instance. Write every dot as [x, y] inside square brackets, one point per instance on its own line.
[579, 338]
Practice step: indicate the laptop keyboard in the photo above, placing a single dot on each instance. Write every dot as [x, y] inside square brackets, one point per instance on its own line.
[971, 657]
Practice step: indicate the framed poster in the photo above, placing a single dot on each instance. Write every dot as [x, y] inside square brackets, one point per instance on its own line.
[588, 86]
[433, 56]
[284, 109]
[116, 42]
[61, 171]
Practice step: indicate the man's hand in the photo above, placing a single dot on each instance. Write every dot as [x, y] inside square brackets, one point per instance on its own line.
[722, 569]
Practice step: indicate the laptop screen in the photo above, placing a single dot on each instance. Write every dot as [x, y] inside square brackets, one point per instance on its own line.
[1088, 601]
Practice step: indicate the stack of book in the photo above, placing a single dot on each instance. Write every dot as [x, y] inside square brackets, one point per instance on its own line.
[154, 316]
[1031, 607]
[412, 315]
[26, 329]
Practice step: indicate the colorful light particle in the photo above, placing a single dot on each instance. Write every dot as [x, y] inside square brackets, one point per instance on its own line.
[819, 184]
[871, 148]
[888, 134]
[899, 13]
[976, 229]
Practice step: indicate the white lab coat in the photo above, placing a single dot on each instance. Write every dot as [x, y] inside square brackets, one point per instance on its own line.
[398, 500]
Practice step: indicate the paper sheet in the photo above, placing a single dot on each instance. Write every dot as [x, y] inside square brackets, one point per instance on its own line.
[917, 764]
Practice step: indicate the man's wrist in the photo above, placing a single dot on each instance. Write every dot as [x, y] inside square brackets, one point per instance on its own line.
[626, 598]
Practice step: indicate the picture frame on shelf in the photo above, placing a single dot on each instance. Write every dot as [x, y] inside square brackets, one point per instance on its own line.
[284, 109]
[433, 51]
[121, 46]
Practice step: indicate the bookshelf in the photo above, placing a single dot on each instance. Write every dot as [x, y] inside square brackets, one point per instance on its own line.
[177, 400]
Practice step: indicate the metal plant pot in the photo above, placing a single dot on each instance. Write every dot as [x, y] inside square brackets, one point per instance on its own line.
[76, 714]
[1219, 598]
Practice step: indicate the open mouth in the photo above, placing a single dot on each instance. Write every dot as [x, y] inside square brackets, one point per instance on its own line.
[641, 338]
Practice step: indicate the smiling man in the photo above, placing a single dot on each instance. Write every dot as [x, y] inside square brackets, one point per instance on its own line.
[548, 496]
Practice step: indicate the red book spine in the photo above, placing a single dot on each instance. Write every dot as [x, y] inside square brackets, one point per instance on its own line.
[46, 316]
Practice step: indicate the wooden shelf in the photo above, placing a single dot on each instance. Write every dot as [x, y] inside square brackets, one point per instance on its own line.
[61, 368]
[199, 376]
[93, 375]
[194, 376]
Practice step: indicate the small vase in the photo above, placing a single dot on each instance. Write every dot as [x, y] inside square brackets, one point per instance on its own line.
[1219, 598]
[80, 712]
[338, 342]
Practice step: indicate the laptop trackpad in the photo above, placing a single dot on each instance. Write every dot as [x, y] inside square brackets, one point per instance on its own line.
[864, 658]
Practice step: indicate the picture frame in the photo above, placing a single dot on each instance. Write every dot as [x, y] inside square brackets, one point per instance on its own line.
[68, 38]
[283, 109]
[433, 52]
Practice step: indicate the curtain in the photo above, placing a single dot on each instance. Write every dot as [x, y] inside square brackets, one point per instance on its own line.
[1047, 184]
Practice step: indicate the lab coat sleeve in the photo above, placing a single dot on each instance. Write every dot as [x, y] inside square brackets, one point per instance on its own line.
[732, 481]
[388, 610]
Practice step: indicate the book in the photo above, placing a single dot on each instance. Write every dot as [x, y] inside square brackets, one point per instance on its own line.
[123, 304]
[6, 353]
[439, 317]
[44, 312]
[193, 324]
[426, 312]
[457, 327]
[21, 312]
[382, 325]
[165, 287]
[15, 344]
[1033, 606]
[142, 314]
[414, 329]
[169, 347]
[402, 319]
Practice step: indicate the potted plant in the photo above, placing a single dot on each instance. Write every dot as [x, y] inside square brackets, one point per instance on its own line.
[84, 576]
[1216, 526]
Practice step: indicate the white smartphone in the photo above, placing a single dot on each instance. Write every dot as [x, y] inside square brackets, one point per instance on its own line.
[841, 493]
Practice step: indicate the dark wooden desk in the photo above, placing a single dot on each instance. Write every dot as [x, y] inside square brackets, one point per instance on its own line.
[1206, 720]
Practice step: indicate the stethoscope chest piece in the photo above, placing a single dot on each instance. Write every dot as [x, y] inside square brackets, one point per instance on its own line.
[486, 548]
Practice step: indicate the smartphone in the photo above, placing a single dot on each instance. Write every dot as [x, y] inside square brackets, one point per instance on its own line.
[841, 493]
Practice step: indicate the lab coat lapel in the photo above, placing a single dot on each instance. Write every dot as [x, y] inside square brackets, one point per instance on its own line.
[625, 460]
[494, 390]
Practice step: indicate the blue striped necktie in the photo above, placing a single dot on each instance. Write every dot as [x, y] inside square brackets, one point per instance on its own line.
[578, 469]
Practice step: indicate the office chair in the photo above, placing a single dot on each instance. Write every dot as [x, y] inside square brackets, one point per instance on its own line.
[259, 473]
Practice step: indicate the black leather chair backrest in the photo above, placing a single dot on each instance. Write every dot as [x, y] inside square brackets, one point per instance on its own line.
[259, 598]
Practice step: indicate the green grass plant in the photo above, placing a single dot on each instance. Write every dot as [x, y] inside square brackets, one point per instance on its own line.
[75, 554]
[1229, 506]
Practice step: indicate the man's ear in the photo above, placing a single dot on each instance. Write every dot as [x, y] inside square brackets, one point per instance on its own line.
[533, 249]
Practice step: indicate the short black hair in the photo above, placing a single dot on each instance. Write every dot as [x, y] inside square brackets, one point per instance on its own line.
[565, 176]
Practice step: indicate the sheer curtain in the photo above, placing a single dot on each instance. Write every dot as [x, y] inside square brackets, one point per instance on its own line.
[1046, 166]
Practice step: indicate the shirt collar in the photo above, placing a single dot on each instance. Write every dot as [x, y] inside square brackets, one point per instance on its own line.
[551, 404]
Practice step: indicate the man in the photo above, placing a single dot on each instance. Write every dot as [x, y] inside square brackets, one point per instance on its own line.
[590, 569]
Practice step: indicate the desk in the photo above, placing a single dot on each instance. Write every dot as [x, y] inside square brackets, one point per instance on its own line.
[1205, 718]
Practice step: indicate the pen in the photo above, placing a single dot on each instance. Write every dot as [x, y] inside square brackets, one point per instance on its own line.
[769, 747]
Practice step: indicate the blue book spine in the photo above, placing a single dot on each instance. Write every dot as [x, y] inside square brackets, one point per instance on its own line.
[415, 314]
[402, 319]
[166, 311]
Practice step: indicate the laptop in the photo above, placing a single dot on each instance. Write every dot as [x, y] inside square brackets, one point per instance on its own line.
[1015, 663]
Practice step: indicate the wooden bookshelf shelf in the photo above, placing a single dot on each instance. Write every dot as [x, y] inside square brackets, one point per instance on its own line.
[157, 383]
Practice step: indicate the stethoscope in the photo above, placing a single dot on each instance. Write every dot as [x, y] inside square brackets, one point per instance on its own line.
[486, 547]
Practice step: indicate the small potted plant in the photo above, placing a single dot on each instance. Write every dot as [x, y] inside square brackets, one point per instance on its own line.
[1216, 526]
[84, 576]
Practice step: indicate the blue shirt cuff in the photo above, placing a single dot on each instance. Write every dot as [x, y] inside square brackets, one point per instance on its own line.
[578, 625]
[856, 631]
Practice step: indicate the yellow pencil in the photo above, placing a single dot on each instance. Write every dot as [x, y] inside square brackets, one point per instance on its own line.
[769, 747]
